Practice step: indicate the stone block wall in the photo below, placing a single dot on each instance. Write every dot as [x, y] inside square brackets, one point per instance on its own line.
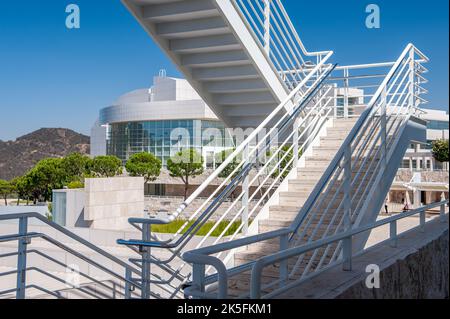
[111, 201]
[420, 275]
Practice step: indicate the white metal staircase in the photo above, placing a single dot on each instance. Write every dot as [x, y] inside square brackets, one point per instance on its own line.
[327, 144]
[228, 53]
[339, 191]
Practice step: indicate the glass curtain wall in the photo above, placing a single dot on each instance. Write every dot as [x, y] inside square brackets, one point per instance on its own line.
[126, 139]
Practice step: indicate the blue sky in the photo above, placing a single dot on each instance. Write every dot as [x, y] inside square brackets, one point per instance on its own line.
[54, 77]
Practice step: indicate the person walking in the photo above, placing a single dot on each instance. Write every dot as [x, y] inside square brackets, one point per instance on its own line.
[406, 207]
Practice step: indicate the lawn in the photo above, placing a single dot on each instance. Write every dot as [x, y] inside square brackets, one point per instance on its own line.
[175, 226]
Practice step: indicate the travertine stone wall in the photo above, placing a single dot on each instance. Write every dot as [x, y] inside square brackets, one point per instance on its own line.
[420, 275]
[111, 201]
[404, 175]
[417, 268]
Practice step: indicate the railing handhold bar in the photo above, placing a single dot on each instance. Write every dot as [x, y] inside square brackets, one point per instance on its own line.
[70, 235]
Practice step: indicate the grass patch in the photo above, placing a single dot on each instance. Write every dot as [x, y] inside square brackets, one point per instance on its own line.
[173, 227]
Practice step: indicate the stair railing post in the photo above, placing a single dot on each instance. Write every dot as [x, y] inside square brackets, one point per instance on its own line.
[422, 218]
[245, 190]
[335, 93]
[383, 115]
[284, 244]
[296, 141]
[346, 92]
[412, 68]
[128, 287]
[267, 12]
[393, 234]
[347, 242]
[347, 253]
[347, 187]
[22, 259]
[146, 264]
[198, 277]
[442, 213]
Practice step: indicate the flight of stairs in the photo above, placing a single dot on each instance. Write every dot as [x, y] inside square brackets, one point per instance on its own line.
[198, 38]
[290, 203]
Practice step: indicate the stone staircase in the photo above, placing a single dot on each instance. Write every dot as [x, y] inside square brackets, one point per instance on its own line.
[290, 203]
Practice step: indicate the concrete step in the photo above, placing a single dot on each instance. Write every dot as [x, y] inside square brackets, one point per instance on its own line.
[323, 153]
[272, 224]
[302, 182]
[326, 148]
[320, 157]
[290, 216]
[290, 202]
[343, 129]
[293, 201]
[291, 194]
[275, 223]
[301, 187]
[334, 137]
[285, 208]
[347, 124]
[331, 142]
[250, 256]
[317, 163]
[315, 172]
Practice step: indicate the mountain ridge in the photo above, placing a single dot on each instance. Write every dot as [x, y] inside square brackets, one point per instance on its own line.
[17, 157]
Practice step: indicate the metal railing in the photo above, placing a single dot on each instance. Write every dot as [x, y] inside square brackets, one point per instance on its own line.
[354, 173]
[125, 283]
[273, 30]
[204, 256]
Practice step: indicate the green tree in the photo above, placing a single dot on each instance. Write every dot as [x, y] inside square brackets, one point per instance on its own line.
[23, 188]
[284, 160]
[6, 189]
[184, 165]
[145, 165]
[75, 185]
[105, 166]
[440, 151]
[221, 157]
[48, 174]
[76, 166]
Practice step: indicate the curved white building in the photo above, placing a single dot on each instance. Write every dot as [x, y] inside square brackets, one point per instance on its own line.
[161, 120]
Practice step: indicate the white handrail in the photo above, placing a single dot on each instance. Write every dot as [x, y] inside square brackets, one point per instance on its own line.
[272, 28]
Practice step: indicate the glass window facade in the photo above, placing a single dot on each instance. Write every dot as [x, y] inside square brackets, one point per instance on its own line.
[165, 138]
[437, 125]
[59, 208]
[340, 105]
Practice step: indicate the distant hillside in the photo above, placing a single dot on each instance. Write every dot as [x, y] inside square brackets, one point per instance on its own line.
[16, 157]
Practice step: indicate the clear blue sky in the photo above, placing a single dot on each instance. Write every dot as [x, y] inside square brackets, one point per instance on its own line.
[54, 77]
